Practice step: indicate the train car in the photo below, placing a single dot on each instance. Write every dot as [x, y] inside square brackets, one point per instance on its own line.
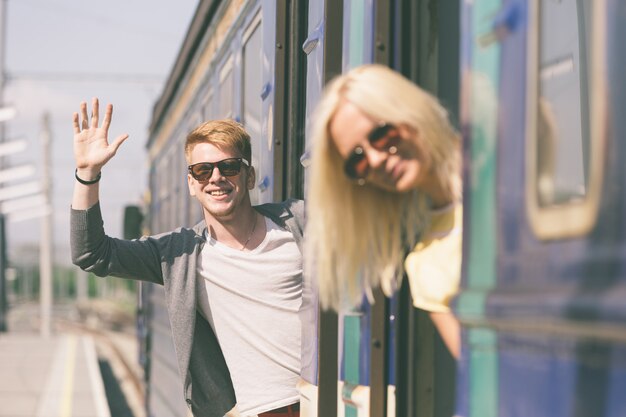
[264, 63]
[544, 244]
[539, 88]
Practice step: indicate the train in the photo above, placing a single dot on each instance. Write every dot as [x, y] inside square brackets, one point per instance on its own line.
[535, 89]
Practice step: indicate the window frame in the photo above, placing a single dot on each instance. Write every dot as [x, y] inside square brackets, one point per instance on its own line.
[574, 218]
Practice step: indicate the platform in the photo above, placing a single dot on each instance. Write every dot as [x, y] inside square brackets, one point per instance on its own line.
[57, 376]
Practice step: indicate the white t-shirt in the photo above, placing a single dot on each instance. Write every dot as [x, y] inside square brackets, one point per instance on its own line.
[251, 299]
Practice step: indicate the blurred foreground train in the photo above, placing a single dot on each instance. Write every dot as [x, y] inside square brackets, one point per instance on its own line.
[536, 88]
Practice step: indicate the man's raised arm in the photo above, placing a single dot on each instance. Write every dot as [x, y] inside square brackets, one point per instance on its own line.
[91, 152]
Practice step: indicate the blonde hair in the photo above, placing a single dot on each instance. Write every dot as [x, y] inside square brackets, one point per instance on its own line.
[357, 236]
[221, 133]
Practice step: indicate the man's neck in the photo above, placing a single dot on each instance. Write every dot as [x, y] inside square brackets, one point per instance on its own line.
[234, 230]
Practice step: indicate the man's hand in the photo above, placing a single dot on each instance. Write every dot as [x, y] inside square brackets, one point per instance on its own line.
[91, 147]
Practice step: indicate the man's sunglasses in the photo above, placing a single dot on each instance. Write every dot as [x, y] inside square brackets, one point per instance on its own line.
[202, 171]
[383, 138]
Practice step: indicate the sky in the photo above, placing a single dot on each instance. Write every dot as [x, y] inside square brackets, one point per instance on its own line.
[62, 52]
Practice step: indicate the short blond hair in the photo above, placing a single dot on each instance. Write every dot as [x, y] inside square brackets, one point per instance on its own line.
[224, 133]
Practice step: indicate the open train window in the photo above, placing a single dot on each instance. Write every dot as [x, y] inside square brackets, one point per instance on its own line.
[565, 115]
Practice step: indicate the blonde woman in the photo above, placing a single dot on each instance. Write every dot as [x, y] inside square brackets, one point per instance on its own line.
[384, 182]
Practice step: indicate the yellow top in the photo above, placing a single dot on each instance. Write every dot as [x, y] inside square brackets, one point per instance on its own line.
[434, 265]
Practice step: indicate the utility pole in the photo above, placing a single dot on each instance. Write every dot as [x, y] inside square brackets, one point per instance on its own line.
[45, 252]
[3, 250]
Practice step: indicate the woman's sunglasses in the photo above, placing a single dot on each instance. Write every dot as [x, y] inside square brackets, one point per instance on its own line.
[202, 171]
[383, 138]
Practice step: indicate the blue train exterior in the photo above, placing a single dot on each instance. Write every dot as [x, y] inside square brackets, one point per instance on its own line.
[544, 280]
[536, 89]
[349, 364]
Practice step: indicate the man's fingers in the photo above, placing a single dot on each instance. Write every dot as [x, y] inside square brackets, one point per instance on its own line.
[94, 113]
[83, 113]
[75, 123]
[107, 117]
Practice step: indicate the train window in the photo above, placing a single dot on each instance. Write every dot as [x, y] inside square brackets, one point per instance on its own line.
[163, 196]
[358, 24]
[175, 212]
[194, 208]
[207, 106]
[191, 212]
[171, 189]
[565, 134]
[225, 100]
[251, 96]
[194, 122]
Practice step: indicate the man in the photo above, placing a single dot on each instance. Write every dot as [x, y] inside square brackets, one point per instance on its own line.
[233, 283]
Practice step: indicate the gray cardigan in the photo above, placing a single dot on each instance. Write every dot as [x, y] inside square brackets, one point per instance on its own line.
[170, 259]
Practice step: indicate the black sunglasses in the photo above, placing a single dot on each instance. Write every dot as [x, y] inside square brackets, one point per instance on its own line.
[384, 138]
[202, 171]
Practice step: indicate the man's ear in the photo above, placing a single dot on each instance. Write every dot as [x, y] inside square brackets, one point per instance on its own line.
[190, 180]
[251, 180]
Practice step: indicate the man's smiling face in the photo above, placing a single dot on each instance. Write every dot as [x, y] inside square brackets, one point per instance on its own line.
[219, 195]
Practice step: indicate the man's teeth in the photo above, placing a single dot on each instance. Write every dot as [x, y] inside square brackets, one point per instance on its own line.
[217, 192]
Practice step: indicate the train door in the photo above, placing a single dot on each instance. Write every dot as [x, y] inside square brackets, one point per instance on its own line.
[542, 299]
[245, 88]
[424, 40]
[364, 352]
[258, 94]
